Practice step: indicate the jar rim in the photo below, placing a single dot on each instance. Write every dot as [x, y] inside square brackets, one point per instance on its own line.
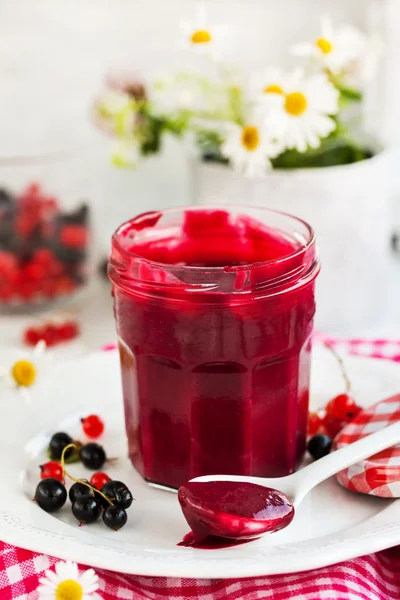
[303, 248]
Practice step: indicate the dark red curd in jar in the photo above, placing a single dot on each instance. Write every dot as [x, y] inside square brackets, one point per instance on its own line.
[214, 311]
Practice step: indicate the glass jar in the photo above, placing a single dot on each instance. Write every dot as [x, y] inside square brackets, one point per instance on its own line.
[44, 229]
[214, 311]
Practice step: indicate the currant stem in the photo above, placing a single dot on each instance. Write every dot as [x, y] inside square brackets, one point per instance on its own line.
[65, 473]
[342, 366]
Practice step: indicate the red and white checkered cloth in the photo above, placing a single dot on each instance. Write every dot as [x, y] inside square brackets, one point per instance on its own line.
[374, 577]
[378, 475]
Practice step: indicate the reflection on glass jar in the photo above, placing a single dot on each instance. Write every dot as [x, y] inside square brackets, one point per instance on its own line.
[44, 230]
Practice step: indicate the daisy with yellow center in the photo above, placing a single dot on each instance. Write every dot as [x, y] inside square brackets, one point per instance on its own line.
[336, 50]
[269, 81]
[301, 115]
[249, 148]
[201, 36]
[66, 583]
[23, 370]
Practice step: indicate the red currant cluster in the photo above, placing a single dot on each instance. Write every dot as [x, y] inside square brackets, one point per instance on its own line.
[43, 250]
[52, 333]
[325, 424]
[92, 454]
[339, 411]
[89, 499]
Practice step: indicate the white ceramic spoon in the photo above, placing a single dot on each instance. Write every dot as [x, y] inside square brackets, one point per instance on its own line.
[241, 509]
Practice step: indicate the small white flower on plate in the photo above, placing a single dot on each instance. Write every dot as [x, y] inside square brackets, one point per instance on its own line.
[249, 148]
[301, 115]
[343, 51]
[24, 368]
[66, 583]
[203, 37]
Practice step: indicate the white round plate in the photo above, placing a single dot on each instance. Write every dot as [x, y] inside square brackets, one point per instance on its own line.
[332, 524]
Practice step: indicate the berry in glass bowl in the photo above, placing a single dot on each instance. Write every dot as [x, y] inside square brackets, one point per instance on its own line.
[43, 247]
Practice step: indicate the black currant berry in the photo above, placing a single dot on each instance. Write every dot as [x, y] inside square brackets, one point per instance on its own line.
[80, 490]
[58, 443]
[6, 197]
[118, 493]
[115, 517]
[50, 494]
[86, 510]
[127, 498]
[319, 445]
[103, 268]
[93, 456]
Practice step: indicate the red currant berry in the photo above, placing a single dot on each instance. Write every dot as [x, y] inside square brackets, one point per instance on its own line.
[8, 264]
[34, 272]
[314, 424]
[43, 256]
[93, 426]
[32, 189]
[69, 330]
[333, 425]
[50, 335]
[65, 285]
[31, 336]
[73, 236]
[340, 406]
[352, 414]
[27, 290]
[51, 469]
[99, 479]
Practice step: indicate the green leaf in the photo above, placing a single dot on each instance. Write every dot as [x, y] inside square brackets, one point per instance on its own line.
[209, 144]
[332, 152]
[72, 458]
[150, 135]
[177, 125]
[236, 105]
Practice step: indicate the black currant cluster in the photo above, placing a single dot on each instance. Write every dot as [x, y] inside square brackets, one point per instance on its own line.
[92, 455]
[88, 503]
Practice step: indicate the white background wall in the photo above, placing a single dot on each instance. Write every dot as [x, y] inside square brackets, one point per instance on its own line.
[54, 54]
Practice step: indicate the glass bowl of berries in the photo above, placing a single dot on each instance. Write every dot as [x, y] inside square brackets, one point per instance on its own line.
[44, 231]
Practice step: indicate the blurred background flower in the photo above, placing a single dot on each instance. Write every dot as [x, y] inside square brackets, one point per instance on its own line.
[295, 110]
[226, 92]
[201, 35]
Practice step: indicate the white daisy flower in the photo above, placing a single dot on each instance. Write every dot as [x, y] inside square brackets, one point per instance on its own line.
[115, 112]
[301, 115]
[249, 148]
[24, 368]
[341, 50]
[363, 68]
[177, 93]
[203, 37]
[66, 583]
[269, 81]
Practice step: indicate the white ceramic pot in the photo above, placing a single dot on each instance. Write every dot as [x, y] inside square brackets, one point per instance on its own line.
[348, 207]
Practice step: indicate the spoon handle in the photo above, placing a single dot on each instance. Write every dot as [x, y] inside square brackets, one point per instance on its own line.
[340, 459]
